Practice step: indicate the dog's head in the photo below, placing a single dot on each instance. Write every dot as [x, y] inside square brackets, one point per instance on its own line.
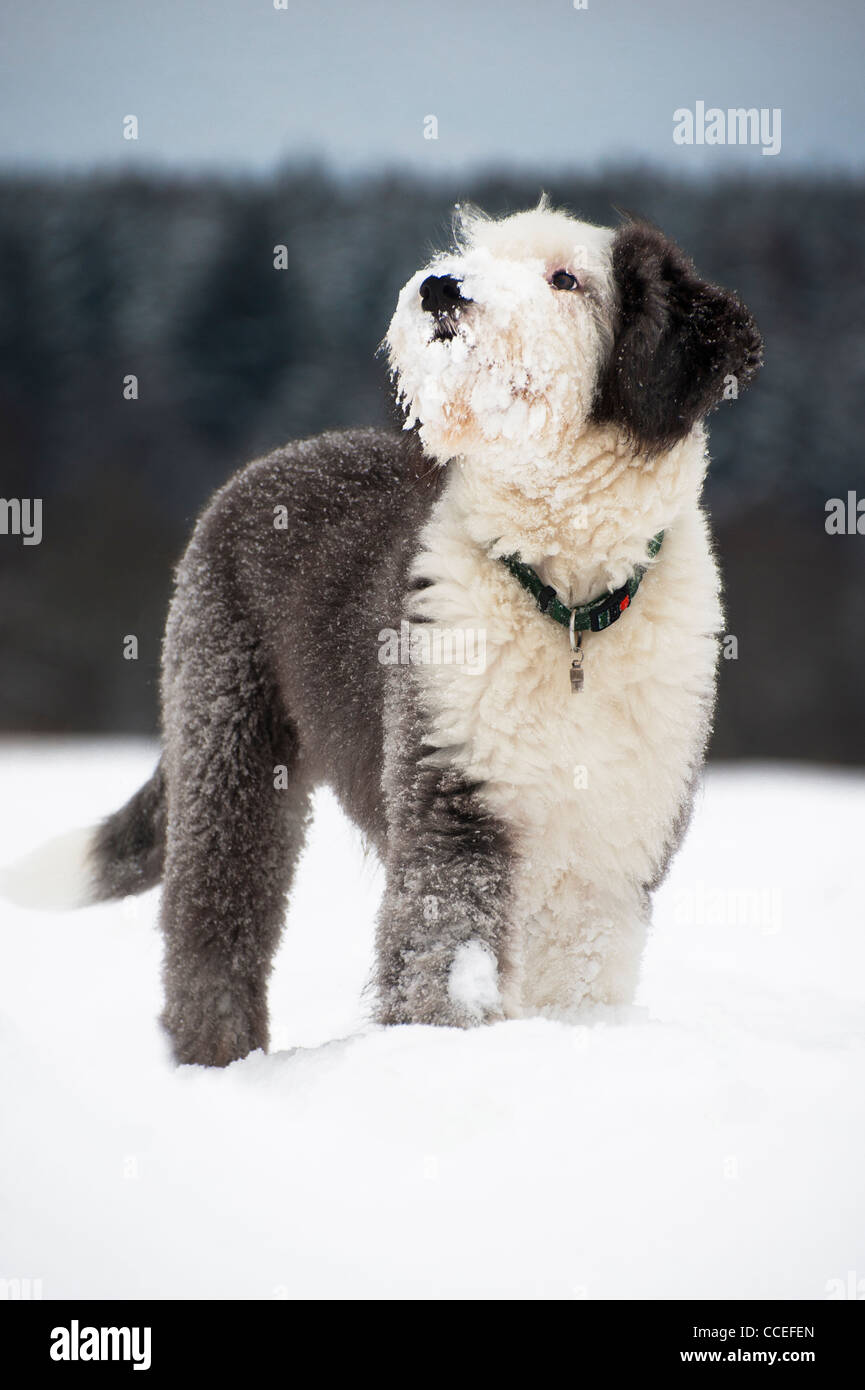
[537, 326]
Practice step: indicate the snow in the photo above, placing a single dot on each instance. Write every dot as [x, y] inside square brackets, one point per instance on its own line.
[473, 980]
[707, 1142]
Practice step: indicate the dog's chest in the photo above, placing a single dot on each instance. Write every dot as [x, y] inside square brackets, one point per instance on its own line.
[603, 771]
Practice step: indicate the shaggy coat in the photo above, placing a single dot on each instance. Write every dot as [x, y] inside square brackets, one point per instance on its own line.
[555, 377]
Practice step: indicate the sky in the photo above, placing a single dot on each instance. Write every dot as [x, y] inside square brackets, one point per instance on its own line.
[243, 85]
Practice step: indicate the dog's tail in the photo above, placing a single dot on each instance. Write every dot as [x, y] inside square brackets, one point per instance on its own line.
[122, 855]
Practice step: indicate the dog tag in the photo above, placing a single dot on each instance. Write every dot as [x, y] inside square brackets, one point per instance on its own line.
[577, 674]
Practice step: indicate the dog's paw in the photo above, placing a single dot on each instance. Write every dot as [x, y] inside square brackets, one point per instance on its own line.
[213, 1036]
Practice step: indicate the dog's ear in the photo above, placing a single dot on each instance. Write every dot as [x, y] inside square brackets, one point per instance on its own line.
[679, 342]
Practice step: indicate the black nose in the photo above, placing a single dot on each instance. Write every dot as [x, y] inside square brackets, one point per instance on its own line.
[439, 293]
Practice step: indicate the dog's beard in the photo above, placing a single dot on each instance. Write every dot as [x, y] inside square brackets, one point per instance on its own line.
[445, 328]
[469, 391]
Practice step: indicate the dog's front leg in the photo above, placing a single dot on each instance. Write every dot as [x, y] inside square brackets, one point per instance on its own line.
[443, 928]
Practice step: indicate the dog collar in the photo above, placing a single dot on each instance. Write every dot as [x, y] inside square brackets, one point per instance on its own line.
[584, 617]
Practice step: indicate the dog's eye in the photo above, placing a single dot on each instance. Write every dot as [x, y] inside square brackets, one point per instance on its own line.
[564, 280]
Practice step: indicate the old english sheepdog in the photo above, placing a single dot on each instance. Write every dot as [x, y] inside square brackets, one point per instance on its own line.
[494, 635]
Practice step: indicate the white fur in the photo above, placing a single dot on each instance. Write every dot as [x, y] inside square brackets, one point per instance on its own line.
[57, 875]
[590, 785]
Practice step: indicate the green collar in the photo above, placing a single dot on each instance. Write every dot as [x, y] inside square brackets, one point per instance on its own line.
[595, 616]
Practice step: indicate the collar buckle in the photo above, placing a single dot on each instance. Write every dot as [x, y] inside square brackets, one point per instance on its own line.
[612, 609]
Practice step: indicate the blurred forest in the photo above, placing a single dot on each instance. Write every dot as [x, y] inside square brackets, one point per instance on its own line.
[173, 280]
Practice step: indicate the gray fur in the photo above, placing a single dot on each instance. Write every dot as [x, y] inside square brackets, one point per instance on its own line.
[270, 662]
[128, 850]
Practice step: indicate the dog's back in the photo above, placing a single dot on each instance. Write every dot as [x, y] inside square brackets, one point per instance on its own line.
[299, 560]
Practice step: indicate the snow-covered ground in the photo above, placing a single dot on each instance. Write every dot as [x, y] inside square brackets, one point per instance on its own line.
[709, 1142]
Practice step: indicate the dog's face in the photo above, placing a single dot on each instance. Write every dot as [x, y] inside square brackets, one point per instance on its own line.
[538, 326]
[499, 343]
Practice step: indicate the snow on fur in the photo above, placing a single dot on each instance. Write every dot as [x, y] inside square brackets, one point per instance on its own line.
[522, 368]
[474, 978]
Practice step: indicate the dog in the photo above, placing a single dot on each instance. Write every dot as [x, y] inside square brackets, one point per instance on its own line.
[543, 498]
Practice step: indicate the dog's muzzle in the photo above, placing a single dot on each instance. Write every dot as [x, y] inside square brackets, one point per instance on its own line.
[440, 296]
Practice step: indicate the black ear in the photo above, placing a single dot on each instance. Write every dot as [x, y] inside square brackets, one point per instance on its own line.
[678, 342]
